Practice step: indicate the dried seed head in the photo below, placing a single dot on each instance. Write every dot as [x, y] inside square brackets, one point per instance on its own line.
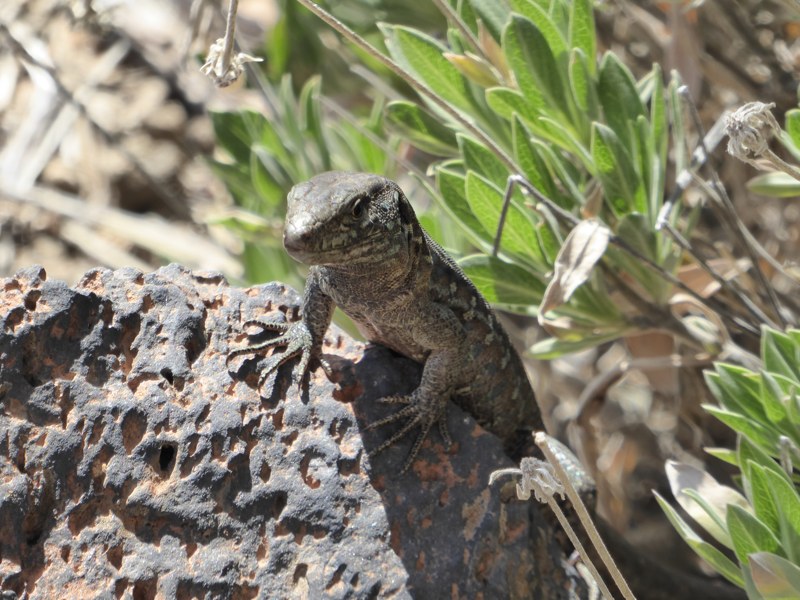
[749, 130]
[215, 67]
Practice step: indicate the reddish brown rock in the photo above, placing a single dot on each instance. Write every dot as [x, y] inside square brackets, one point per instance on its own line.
[134, 464]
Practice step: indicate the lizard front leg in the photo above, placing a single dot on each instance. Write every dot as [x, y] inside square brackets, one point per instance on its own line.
[444, 368]
[302, 338]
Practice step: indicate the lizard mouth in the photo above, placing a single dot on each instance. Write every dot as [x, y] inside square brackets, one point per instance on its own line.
[330, 253]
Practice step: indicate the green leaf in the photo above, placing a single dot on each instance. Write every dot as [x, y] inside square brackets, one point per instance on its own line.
[452, 187]
[793, 125]
[581, 31]
[724, 454]
[759, 494]
[485, 201]
[549, 241]
[530, 160]
[744, 425]
[749, 535]
[738, 390]
[483, 161]
[788, 504]
[679, 144]
[621, 103]
[504, 284]
[506, 103]
[780, 353]
[531, 59]
[551, 348]
[309, 101]
[536, 15]
[583, 89]
[774, 577]
[423, 56]
[748, 451]
[776, 185]
[421, 128]
[721, 563]
[232, 134]
[621, 184]
[566, 172]
[772, 396]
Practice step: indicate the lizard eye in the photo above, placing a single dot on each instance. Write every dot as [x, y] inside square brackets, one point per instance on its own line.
[358, 207]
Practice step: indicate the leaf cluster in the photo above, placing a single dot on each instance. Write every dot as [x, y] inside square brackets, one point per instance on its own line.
[760, 525]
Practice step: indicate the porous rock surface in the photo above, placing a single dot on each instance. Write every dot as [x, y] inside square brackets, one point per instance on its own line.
[135, 464]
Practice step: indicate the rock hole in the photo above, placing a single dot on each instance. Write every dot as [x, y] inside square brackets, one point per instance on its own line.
[275, 504]
[374, 592]
[145, 590]
[114, 555]
[65, 552]
[307, 477]
[31, 299]
[120, 586]
[166, 458]
[337, 576]
[166, 373]
[134, 426]
[300, 572]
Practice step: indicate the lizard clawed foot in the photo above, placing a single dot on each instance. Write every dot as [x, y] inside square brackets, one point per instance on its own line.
[419, 411]
[295, 337]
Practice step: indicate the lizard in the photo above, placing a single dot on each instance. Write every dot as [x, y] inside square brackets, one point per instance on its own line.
[368, 254]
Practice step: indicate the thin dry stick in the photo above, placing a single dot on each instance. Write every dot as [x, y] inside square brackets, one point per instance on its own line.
[583, 514]
[537, 476]
[448, 11]
[230, 33]
[415, 83]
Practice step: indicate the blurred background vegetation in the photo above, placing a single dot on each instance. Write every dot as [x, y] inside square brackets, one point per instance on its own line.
[116, 151]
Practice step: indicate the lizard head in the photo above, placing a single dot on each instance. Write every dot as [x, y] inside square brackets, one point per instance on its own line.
[343, 219]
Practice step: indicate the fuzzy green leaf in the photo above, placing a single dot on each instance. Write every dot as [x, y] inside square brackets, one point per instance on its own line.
[721, 563]
[793, 126]
[423, 56]
[776, 185]
[581, 31]
[749, 535]
[453, 187]
[746, 426]
[531, 161]
[780, 353]
[551, 348]
[506, 102]
[617, 91]
[787, 502]
[759, 494]
[504, 284]
[486, 200]
[534, 66]
[539, 17]
[421, 128]
[621, 184]
[483, 161]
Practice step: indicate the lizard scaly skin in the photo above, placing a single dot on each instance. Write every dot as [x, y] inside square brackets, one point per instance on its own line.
[369, 256]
